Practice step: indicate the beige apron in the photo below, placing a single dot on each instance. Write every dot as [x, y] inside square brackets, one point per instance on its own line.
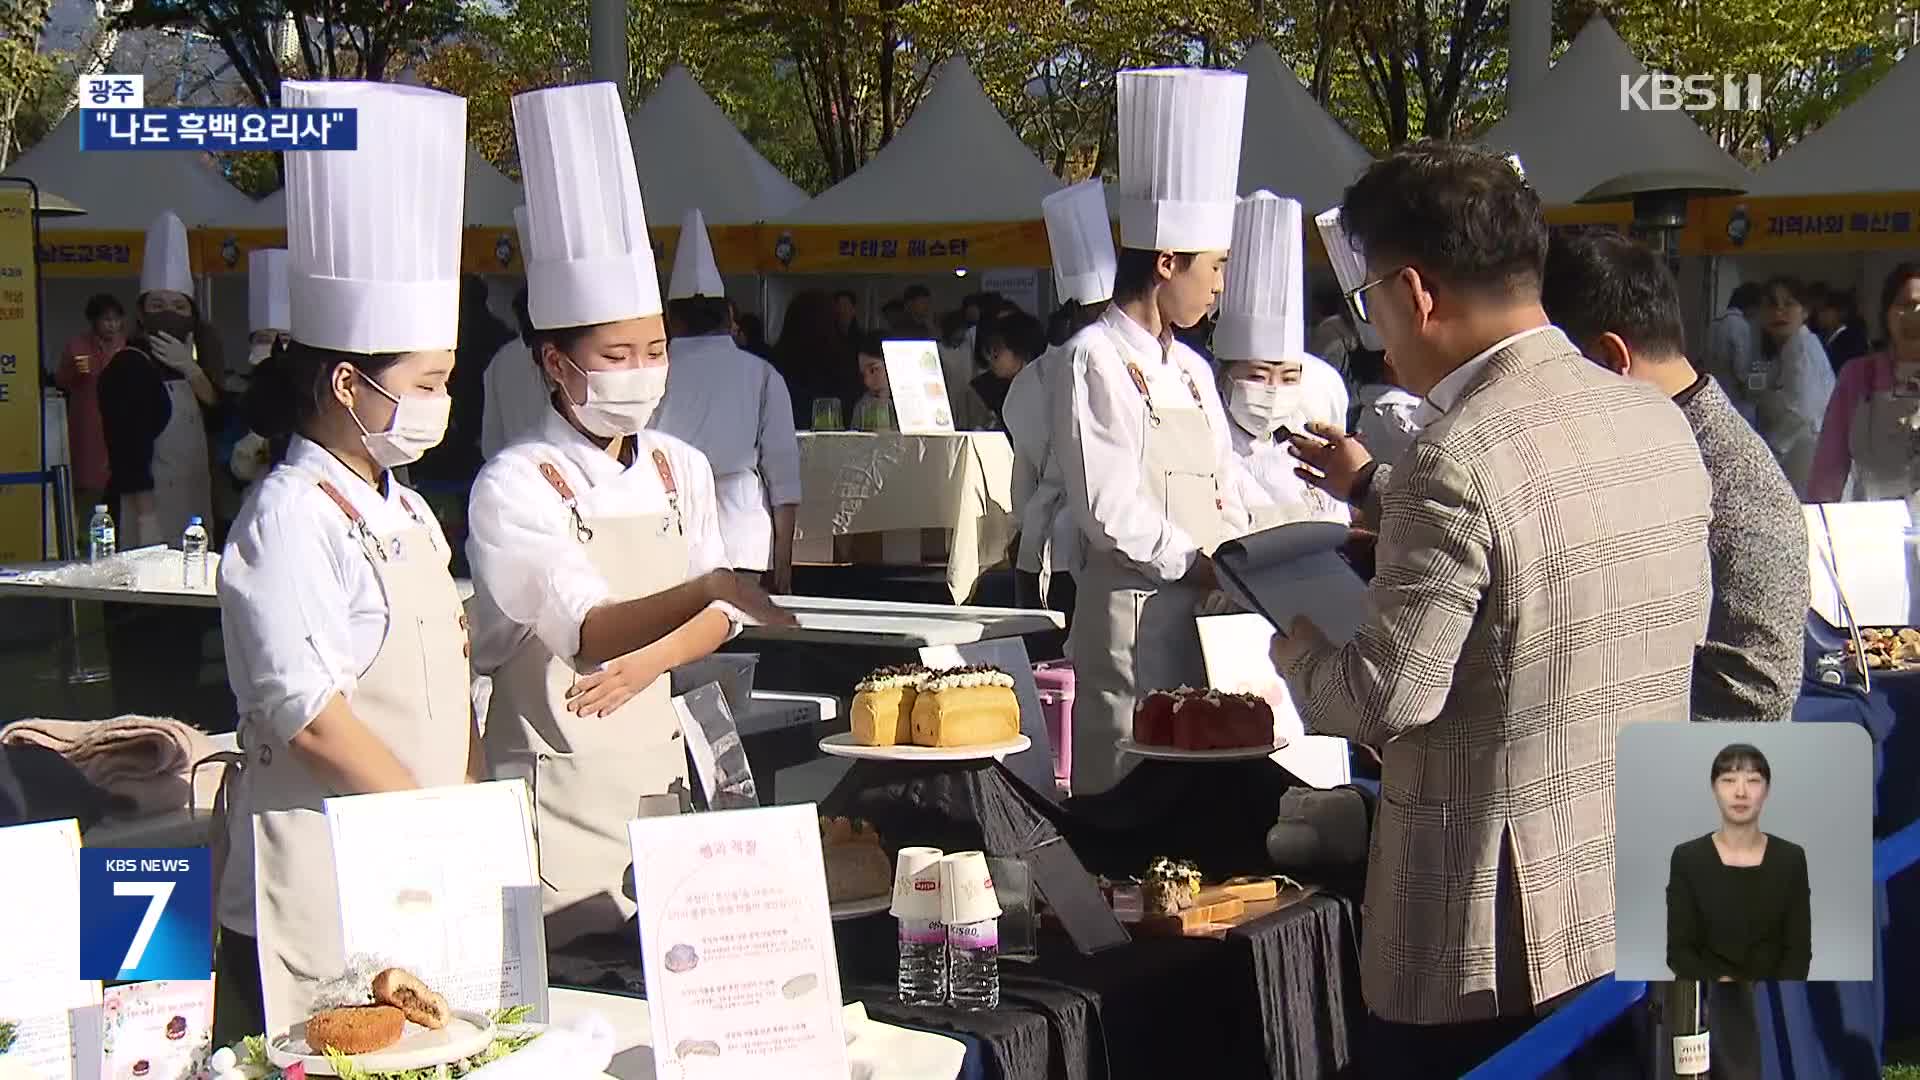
[1130, 635]
[590, 775]
[1885, 444]
[415, 698]
[182, 484]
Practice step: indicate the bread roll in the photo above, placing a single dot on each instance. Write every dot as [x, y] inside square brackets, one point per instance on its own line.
[356, 1029]
[400, 989]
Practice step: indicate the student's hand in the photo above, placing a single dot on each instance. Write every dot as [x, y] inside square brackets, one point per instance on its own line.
[604, 691]
[1332, 459]
[172, 352]
[750, 600]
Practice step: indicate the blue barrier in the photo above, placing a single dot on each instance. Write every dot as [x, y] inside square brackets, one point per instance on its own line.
[1555, 1038]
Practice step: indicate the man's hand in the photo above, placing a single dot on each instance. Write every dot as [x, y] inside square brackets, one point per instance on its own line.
[172, 352]
[749, 599]
[612, 686]
[1300, 639]
[1332, 459]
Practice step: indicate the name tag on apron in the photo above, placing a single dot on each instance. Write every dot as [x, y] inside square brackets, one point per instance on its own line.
[1167, 394]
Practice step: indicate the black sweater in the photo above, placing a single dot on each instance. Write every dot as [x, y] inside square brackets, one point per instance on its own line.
[1747, 922]
[134, 410]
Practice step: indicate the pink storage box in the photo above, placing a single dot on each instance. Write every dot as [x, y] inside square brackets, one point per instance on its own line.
[1055, 681]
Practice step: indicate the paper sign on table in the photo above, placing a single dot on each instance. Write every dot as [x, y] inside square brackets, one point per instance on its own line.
[919, 387]
[737, 945]
[40, 984]
[1238, 650]
[1865, 545]
[445, 882]
[1292, 570]
[160, 1030]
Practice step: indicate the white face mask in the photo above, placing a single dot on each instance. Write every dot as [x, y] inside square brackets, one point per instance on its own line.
[419, 423]
[1263, 408]
[620, 402]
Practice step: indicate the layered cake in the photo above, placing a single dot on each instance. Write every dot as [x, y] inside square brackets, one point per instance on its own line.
[882, 710]
[1190, 719]
[965, 706]
[857, 868]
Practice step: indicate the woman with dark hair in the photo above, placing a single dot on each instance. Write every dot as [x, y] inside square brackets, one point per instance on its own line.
[345, 637]
[1739, 902]
[1013, 341]
[82, 362]
[815, 358]
[1875, 408]
[1791, 381]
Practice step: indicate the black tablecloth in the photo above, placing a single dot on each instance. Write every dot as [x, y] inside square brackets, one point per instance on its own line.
[1278, 997]
[1214, 814]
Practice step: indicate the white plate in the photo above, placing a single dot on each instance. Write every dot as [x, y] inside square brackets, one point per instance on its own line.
[418, 1048]
[842, 745]
[1169, 753]
[853, 909]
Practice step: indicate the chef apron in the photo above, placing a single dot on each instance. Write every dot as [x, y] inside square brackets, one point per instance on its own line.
[1885, 444]
[182, 484]
[1130, 635]
[591, 774]
[415, 698]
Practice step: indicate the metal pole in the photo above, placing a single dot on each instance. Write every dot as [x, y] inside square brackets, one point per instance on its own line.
[607, 48]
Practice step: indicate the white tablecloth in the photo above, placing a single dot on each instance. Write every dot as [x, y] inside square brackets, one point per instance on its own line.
[875, 1051]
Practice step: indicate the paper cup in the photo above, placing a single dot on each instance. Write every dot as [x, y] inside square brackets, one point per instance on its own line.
[966, 889]
[916, 884]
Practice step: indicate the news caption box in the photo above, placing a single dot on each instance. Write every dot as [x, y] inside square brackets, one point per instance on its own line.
[146, 913]
[113, 91]
[217, 129]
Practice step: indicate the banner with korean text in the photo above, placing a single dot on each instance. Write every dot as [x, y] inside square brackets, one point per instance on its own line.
[1803, 224]
[902, 249]
[22, 499]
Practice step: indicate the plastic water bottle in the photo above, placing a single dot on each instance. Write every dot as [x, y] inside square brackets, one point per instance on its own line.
[100, 535]
[973, 965]
[193, 552]
[923, 962]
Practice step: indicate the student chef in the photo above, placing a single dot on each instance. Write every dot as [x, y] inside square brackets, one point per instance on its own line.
[269, 329]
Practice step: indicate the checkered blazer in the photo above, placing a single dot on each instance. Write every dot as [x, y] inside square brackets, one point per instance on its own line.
[1541, 583]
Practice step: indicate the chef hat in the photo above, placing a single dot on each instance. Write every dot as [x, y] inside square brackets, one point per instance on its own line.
[589, 259]
[1263, 312]
[373, 234]
[1348, 266]
[268, 307]
[1081, 236]
[1179, 157]
[694, 271]
[164, 264]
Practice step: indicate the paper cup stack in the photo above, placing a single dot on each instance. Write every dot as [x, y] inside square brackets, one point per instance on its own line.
[916, 885]
[966, 889]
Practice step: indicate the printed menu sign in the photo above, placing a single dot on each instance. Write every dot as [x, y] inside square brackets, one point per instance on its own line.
[919, 387]
[153, 1031]
[40, 984]
[444, 882]
[737, 945]
[1238, 652]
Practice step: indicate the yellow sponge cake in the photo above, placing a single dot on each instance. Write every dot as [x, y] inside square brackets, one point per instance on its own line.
[967, 706]
[882, 712]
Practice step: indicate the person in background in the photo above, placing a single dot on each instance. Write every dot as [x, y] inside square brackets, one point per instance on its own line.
[750, 333]
[1842, 332]
[893, 314]
[1270, 383]
[1333, 336]
[957, 355]
[270, 324]
[452, 465]
[846, 313]
[1385, 416]
[731, 406]
[1790, 381]
[1138, 427]
[598, 563]
[1080, 235]
[1875, 408]
[874, 410]
[1490, 671]
[154, 396]
[918, 308]
[1014, 340]
[1620, 305]
[82, 361]
[1733, 344]
[815, 359]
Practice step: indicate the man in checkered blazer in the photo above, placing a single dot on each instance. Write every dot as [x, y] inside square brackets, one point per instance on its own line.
[1541, 582]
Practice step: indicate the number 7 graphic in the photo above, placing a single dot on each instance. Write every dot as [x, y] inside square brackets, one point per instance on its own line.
[157, 894]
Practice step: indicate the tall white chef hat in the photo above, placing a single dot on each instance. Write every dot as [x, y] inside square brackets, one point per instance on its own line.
[268, 304]
[589, 259]
[164, 264]
[1081, 236]
[1263, 310]
[1179, 157]
[1348, 266]
[373, 234]
[694, 271]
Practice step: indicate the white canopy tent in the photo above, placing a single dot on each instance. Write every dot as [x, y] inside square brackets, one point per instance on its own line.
[1574, 136]
[1290, 145]
[1868, 147]
[127, 189]
[689, 155]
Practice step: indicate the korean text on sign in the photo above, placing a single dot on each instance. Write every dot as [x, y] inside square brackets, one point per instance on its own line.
[219, 129]
[1879, 221]
[892, 249]
[113, 92]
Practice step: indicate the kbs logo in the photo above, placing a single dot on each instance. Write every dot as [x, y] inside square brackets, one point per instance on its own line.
[1690, 93]
[146, 913]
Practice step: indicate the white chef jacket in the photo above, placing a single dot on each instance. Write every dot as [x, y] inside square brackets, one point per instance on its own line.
[1387, 423]
[302, 612]
[734, 408]
[1267, 468]
[1100, 439]
[516, 399]
[531, 575]
[1036, 504]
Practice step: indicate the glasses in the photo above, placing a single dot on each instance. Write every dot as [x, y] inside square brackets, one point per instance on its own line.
[1358, 297]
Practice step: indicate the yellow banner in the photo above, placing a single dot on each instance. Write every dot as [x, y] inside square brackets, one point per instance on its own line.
[1803, 224]
[902, 249]
[736, 248]
[91, 253]
[22, 498]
